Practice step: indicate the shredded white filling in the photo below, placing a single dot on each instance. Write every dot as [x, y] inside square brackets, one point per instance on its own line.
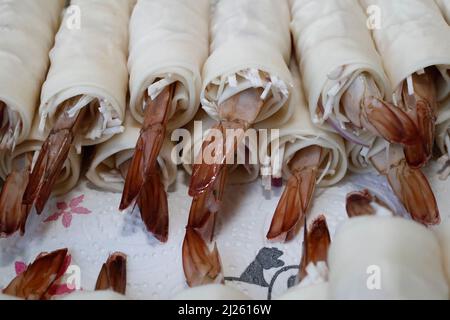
[156, 88]
[112, 176]
[232, 81]
[107, 122]
[365, 151]
[11, 127]
[35, 158]
[275, 91]
[410, 84]
[83, 102]
[316, 274]
[331, 104]
[326, 171]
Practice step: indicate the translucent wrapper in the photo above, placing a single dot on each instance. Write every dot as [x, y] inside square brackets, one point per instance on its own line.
[443, 129]
[90, 60]
[169, 42]
[396, 259]
[300, 133]
[211, 292]
[69, 175]
[238, 173]
[250, 48]
[27, 32]
[334, 46]
[444, 5]
[104, 171]
[413, 36]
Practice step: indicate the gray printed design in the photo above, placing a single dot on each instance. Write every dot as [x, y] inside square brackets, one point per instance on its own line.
[266, 259]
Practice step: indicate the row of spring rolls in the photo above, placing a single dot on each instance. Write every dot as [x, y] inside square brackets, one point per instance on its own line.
[250, 47]
[246, 52]
[404, 44]
[87, 61]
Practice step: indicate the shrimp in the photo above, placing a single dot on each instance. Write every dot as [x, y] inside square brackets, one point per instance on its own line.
[316, 244]
[208, 181]
[113, 275]
[13, 214]
[237, 114]
[361, 203]
[363, 105]
[411, 125]
[297, 196]
[143, 183]
[409, 184]
[421, 106]
[53, 154]
[36, 281]
[201, 266]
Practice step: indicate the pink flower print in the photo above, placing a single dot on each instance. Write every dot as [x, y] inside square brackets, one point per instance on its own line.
[66, 211]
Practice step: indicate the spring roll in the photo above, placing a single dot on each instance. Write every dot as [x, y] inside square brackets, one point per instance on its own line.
[250, 48]
[105, 170]
[413, 36]
[443, 122]
[246, 166]
[168, 45]
[89, 59]
[300, 133]
[70, 173]
[334, 47]
[444, 5]
[396, 259]
[27, 33]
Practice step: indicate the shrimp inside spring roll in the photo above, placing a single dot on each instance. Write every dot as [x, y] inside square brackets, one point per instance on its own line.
[110, 167]
[350, 93]
[15, 170]
[26, 37]
[84, 97]
[169, 44]
[443, 121]
[112, 160]
[305, 156]
[417, 68]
